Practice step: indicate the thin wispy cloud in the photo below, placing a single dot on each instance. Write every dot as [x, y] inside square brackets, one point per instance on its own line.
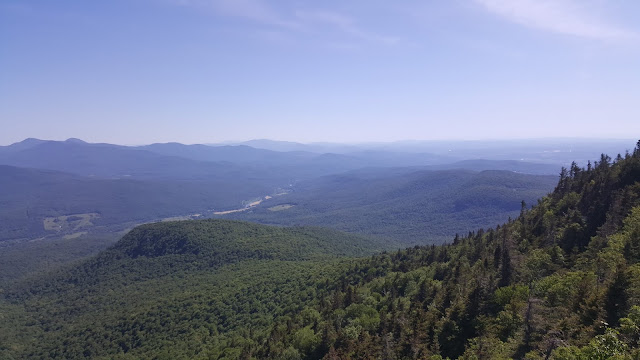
[569, 17]
[298, 21]
[252, 10]
[344, 23]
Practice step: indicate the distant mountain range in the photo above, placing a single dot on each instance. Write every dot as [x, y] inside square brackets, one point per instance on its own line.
[123, 185]
[178, 161]
[560, 151]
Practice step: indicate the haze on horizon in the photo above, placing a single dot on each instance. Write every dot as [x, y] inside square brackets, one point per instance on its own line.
[206, 71]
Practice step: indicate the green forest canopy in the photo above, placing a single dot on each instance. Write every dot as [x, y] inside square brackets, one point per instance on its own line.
[560, 281]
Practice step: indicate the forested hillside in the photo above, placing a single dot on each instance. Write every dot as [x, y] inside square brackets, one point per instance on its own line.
[560, 281]
[415, 207]
[173, 290]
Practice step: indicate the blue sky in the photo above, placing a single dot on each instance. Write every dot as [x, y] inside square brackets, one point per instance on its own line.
[201, 71]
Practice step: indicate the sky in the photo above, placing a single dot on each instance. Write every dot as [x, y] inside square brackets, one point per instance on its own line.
[205, 71]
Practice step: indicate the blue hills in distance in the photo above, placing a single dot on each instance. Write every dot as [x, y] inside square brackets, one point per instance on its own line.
[133, 184]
